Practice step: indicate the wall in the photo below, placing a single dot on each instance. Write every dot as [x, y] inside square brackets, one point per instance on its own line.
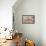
[30, 31]
[43, 22]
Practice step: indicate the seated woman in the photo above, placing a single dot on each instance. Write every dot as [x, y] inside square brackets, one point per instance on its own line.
[18, 39]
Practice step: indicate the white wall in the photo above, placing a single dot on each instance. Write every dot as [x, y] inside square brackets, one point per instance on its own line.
[6, 13]
[31, 31]
[43, 22]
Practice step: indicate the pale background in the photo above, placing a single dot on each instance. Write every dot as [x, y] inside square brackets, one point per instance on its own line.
[6, 17]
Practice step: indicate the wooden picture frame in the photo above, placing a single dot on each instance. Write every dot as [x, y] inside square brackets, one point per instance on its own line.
[28, 19]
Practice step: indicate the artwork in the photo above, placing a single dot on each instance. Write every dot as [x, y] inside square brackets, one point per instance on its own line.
[28, 19]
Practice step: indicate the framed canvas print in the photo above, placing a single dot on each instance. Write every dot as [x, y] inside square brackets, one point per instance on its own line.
[28, 19]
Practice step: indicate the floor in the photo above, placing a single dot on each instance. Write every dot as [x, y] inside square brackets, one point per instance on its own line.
[9, 43]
